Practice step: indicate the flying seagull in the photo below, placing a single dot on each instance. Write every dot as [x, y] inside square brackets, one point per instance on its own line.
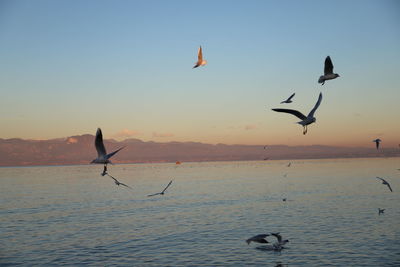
[385, 183]
[287, 101]
[102, 156]
[200, 60]
[118, 182]
[162, 192]
[258, 238]
[328, 71]
[380, 211]
[305, 120]
[377, 142]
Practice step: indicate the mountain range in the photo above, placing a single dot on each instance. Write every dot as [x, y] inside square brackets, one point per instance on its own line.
[80, 150]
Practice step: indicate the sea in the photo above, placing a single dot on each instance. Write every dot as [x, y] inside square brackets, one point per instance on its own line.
[73, 216]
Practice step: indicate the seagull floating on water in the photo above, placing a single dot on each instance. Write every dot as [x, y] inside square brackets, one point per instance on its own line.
[162, 192]
[305, 120]
[380, 211]
[328, 71]
[102, 156]
[385, 183]
[200, 60]
[118, 182]
[258, 238]
[287, 101]
[377, 142]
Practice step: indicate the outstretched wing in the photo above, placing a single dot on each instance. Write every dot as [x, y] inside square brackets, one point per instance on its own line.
[126, 185]
[113, 153]
[298, 114]
[278, 236]
[290, 97]
[328, 69]
[98, 143]
[152, 195]
[311, 114]
[200, 55]
[383, 180]
[389, 187]
[167, 186]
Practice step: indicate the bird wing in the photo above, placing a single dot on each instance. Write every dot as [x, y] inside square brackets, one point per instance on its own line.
[381, 179]
[152, 195]
[200, 55]
[126, 185]
[389, 186]
[98, 143]
[290, 97]
[113, 153]
[298, 114]
[311, 114]
[260, 236]
[328, 69]
[112, 178]
[167, 186]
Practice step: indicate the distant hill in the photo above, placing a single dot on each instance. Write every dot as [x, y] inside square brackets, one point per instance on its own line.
[80, 150]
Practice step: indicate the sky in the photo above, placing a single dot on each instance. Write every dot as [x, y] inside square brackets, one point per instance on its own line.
[68, 67]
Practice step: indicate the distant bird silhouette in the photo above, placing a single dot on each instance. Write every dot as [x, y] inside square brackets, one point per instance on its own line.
[265, 147]
[200, 60]
[118, 182]
[385, 183]
[162, 192]
[380, 211]
[377, 142]
[289, 164]
[258, 239]
[283, 199]
[328, 71]
[287, 101]
[102, 156]
[305, 120]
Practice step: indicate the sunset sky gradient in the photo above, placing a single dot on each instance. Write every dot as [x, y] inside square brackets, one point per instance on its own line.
[68, 67]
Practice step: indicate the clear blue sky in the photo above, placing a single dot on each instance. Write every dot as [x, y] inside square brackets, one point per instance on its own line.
[68, 67]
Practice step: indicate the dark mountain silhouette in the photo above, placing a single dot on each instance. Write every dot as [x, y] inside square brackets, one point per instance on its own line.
[80, 150]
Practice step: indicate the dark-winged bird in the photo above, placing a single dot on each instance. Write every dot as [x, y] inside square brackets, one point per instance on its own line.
[258, 238]
[328, 71]
[102, 156]
[118, 182]
[305, 120]
[385, 183]
[162, 192]
[289, 100]
[377, 142]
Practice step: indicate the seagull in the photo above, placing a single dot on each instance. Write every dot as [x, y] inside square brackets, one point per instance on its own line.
[162, 192]
[289, 164]
[385, 183]
[283, 199]
[280, 242]
[305, 120]
[258, 238]
[287, 101]
[380, 211]
[328, 71]
[200, 60]
[102, 156]
[118, 182]
[377, 142]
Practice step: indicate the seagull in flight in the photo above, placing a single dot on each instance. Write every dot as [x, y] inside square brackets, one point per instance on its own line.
[102, 156]
[258, 238]
[377, 142]
[162, 192]
[118, 182]
[305, 120]
[200, 60]
[380, 211]
[287, 101]
[328, 71]
[385, 183]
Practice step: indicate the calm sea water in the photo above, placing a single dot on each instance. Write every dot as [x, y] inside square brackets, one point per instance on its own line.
[73, 216]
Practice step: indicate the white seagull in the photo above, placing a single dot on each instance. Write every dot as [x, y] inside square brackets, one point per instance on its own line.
[377, 142]
[162, 192]
[258, 238]
[305, 120]
[289, 100]
[102, 156]
[385, 183]
[328, 72]
[200, 60]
